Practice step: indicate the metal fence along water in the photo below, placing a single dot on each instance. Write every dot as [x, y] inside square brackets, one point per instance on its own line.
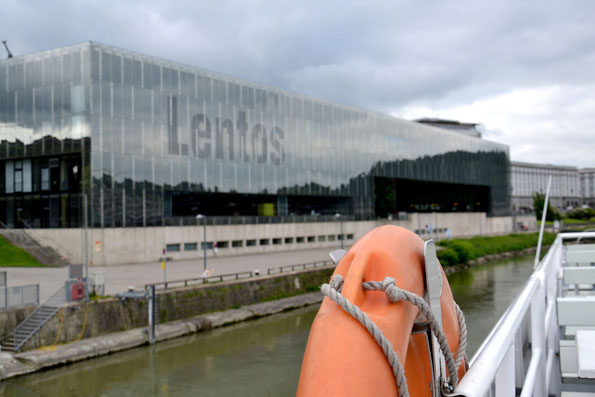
[21, 295]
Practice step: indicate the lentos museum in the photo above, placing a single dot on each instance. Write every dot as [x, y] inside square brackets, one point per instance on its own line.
[151, 142]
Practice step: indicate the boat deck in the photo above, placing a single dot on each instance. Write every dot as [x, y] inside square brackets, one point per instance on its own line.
[545, 342]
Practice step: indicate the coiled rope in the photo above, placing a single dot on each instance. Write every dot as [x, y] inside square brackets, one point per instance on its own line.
[396, 294]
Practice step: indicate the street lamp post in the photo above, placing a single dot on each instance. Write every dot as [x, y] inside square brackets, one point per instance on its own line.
[338, 216]
[86, 238]
[204, 239]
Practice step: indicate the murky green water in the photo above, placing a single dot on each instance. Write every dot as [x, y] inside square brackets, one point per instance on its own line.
[255, 358]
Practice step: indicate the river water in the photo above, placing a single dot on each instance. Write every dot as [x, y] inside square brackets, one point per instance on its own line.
[254, 358]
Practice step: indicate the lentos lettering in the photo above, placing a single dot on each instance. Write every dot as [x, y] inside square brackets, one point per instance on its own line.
[225, 139]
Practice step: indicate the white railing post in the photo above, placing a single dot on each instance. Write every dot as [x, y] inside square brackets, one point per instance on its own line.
[519, 342]
[538, 336]
[505, 377]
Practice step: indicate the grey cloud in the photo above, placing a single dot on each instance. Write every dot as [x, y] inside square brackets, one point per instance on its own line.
[373, 54]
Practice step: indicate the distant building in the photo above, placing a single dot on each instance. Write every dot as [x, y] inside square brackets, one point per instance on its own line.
[452, 125]
[528, 179]
[587, 180]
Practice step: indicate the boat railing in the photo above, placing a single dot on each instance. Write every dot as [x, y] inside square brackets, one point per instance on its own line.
[519, 356]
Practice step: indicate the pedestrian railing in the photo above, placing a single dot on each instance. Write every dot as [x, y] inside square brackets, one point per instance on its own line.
[257, 220]
[22, 295]
[303, 266]
[237, 276]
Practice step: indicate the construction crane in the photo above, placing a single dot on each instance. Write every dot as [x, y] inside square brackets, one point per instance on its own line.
[7, 50]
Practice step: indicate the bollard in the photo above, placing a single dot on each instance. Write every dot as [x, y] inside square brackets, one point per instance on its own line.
[151, 293]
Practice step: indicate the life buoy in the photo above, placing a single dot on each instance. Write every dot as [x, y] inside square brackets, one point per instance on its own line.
[341, 357]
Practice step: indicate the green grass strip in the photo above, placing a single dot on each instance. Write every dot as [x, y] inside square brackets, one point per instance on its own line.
[11, 256]
[459, 251]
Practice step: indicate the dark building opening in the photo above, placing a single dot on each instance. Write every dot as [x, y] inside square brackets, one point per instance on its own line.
[394, 195]
[237, 204]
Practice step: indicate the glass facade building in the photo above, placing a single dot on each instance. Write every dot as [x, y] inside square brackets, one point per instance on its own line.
[153, 142]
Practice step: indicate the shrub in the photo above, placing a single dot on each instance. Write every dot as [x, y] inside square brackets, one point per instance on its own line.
[581, 213]
[464, 250]
[448, 257]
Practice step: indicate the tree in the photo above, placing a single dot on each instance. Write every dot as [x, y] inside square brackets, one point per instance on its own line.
[384, 192]
[538, 203]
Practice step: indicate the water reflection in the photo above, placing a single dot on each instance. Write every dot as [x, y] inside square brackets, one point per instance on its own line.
[484, 293]
[261, 357]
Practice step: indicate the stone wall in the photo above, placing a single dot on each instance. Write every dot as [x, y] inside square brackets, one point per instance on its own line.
[10, 318]
[84, 320]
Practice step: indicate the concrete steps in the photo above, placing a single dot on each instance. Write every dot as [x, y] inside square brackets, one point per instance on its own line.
[44, 255]
[8, 344]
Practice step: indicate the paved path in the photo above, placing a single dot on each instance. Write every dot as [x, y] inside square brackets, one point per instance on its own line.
[118, 278]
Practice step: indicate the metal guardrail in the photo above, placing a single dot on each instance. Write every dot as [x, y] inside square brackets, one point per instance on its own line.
[257, 220]
[304, 266]
[237, 276]
[21, 295]
[499, 366]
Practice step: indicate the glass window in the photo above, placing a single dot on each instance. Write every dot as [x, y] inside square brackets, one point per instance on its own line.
[106, 67]
[18, 181]
[77, 66]
[2, 82]
[137, 73]
[127, 71]
[116, 69]
[173, 247]
[45, 179]
[147, 75]
[190, 246]
[156, 74]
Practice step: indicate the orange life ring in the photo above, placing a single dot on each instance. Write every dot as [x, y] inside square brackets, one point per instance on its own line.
[341, 357]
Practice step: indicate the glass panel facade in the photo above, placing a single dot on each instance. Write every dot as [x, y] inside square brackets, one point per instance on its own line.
[44, 137]
[151, 142]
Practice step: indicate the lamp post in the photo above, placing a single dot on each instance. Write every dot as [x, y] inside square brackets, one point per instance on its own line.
[204, 238]
[338, 216]
[86, 223]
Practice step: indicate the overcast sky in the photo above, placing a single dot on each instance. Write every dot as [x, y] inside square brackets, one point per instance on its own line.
[523, 69]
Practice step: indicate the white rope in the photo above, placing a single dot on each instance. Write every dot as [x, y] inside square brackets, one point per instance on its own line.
[396, 294]
[461, 351]
[332, 291]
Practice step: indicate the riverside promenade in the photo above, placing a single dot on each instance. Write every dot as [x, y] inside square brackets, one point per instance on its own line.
[119, 277]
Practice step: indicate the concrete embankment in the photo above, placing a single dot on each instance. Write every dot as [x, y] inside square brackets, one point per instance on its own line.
[35, 360]
[83, 331]
[101, 317]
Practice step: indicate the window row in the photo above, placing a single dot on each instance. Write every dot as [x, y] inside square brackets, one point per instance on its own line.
[224, 244]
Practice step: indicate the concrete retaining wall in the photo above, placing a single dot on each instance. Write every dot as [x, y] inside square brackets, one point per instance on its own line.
[112, 315]
[10, 318]
[141, 245]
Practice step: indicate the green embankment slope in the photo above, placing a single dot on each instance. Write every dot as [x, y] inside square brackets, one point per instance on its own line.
[460, 251]
[11, 256]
